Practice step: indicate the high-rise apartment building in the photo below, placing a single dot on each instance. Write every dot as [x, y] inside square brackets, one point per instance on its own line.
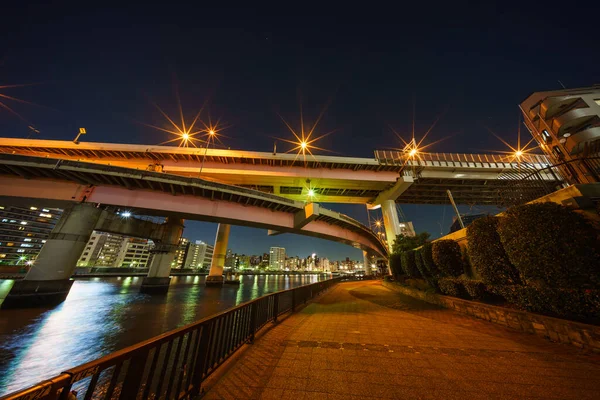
[109, 250]
[181, 253]
[199, 255]
[277, 258]
[23, 232]
[566, 125]
[135, 253]
[102, 250]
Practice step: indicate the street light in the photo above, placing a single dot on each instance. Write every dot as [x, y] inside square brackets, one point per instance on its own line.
[311, 192]
[211, 134]
[185, 136]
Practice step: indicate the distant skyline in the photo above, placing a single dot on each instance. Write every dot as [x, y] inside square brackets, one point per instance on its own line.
[103, 68]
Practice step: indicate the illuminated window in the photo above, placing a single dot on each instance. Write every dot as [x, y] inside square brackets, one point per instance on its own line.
[23, 222]
[27, 240]
[33, 208]
[20, 251]
[597, 101]
[45, 210]
[26, 245]
[46, 215]
[10, 244]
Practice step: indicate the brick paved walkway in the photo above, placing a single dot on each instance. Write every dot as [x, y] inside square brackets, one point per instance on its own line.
[362, 341]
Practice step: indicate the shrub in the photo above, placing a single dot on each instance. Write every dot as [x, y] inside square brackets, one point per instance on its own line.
[476, 289]
[552, 245]
[396, 264]
[388, 278]
[447, 256]
[428, 263]
[420, 265]
[409, 264]
[420, 284]
[453, 287]
[487, 256]
[576, 304]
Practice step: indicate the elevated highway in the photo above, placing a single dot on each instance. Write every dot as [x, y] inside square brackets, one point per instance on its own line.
[59, 182]
[389, 175]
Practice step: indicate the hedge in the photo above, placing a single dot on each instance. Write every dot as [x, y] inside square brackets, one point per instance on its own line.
[453, 287]
[409, 264]
[447, 256]
[576, 304]
[396, 264]
[487, 256]
[427, 258]
[551, 245]
[475, 289]
[420, 265]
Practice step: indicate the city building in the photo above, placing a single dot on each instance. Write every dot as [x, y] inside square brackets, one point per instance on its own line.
[566, 125]
[181, 253]
[102, 250]
[277, 258]
[135, 253]
[229, 259]
[109, 250]
[199, 255]
[242, 261]
[293, 263]
[325, 264]
[23, 232]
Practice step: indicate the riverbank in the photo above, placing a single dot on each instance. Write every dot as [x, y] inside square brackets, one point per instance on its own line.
[16, 272]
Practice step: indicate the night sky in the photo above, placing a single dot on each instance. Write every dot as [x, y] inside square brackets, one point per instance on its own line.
[102, 69]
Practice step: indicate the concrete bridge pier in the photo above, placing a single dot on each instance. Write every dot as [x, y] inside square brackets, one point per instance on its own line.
[48, 281]
[391, 222]
[215, 275]
[367, 263]
[158, 278]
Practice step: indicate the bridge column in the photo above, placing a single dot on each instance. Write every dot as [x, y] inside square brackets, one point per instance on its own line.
[158, 278]
[390, 222]
[48, 281]
[367, 262]
[215, 275]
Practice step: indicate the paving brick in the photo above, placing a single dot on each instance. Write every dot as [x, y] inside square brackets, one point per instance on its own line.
[363, 341]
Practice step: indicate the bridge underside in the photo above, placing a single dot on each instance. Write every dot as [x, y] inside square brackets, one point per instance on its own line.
[473, 178]
[153, 193]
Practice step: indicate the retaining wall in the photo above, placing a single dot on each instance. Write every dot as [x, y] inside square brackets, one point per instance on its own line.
[584, 336]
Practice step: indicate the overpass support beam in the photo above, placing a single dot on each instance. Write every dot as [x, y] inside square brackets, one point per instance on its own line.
[390, 222]
[158, 278]
[367, 263]
[215, 275]
[48, 281]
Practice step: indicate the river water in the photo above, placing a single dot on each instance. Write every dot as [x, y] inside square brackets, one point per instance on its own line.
[102, 315]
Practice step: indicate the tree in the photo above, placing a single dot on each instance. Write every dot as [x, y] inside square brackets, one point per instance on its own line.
[405, 243]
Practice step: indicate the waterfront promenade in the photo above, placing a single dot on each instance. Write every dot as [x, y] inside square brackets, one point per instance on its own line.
[362, 341]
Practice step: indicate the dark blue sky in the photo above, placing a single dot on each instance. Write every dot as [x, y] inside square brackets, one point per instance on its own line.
[101, 68]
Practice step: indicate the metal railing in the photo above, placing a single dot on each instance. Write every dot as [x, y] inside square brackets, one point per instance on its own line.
[174, 364]
[540, 182]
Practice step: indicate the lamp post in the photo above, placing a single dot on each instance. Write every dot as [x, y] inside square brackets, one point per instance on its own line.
[211, 134]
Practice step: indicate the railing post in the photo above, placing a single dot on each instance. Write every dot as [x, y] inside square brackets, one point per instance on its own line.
[253, 312]
[294, 300]
[200, 362]
[133, 378]
[275, 307]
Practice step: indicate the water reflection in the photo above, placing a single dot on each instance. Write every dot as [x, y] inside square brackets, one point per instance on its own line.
[102, 315]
